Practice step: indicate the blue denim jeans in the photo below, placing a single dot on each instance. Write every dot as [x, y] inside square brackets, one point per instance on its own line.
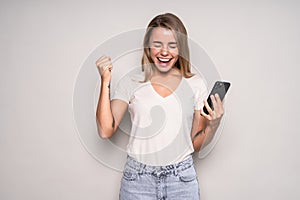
[144, 182]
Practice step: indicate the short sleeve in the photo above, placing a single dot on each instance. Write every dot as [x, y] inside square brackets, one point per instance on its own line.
[126, 85]
[200, 92]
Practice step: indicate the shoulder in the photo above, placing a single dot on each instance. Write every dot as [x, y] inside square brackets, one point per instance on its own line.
[196, 81]
[124, 85]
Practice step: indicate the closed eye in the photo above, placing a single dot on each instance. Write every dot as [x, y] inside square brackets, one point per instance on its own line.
[172, 46]
[157, 44]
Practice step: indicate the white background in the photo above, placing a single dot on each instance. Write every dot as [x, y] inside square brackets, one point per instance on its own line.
[254, 44]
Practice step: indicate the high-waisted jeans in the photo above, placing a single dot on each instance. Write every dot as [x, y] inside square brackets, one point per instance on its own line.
[144, 182]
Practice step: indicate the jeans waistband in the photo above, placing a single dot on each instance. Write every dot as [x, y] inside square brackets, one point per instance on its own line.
[142, 168]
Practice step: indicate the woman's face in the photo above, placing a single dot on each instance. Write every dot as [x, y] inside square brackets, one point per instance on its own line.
[163, 49]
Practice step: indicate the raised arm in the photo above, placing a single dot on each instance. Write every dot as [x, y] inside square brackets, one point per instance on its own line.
[109, 114]
[205, 126]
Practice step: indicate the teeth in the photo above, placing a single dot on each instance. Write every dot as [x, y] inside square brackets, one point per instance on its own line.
[164, 59]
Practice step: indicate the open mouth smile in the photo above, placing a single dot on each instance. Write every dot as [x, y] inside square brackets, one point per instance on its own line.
[164, 60]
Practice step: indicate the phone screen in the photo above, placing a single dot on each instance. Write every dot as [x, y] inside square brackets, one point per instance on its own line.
[219, 88]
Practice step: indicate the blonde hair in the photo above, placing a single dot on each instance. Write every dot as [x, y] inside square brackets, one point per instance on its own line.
[173, 23]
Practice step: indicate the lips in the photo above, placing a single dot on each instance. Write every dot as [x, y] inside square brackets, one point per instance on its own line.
[164, 60]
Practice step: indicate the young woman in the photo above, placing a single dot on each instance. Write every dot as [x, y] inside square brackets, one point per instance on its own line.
[165, 102]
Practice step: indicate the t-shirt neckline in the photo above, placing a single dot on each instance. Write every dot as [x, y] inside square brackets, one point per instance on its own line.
[170, 95]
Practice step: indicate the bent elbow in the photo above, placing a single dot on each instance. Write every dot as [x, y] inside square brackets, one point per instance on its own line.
[104, 130]
[197, 149]
[104, 134]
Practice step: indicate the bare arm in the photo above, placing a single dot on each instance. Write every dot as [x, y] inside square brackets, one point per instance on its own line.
[109, 114]
[205, 126]
[198, 129]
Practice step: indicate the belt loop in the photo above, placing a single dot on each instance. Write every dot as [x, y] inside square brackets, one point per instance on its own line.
[141, 168]
[175, 170]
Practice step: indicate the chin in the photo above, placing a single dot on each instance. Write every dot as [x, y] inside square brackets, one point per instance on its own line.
[163, 69]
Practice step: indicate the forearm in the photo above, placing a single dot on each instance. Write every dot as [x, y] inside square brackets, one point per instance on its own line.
[105, 120]
[204, 137]
[212, 122]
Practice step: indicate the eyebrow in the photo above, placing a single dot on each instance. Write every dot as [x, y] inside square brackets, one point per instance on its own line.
[161, 42]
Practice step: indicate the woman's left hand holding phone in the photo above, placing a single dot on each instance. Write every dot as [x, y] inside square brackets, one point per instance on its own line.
[214, 116]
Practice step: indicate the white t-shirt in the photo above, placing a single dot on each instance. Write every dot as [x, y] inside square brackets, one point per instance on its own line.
[161, 126]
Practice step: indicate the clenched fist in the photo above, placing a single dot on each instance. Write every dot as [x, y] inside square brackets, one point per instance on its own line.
[104, 66]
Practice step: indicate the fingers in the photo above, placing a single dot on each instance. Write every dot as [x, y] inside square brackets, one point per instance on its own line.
[209, 110]
[207, 116]
[103, 59]
[218, 108]
[104, 63]
[110, 67]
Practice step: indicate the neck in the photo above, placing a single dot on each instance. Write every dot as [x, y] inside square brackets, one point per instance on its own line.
[174, 71]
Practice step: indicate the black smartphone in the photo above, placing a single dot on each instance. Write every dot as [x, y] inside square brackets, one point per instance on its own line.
[221, 88]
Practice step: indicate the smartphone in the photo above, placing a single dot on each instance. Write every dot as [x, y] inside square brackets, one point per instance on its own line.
[220, 88]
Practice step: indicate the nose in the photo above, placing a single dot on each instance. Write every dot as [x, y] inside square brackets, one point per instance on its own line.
[164, 51]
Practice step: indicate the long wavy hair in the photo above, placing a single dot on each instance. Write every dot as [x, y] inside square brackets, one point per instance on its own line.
[173, 23]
